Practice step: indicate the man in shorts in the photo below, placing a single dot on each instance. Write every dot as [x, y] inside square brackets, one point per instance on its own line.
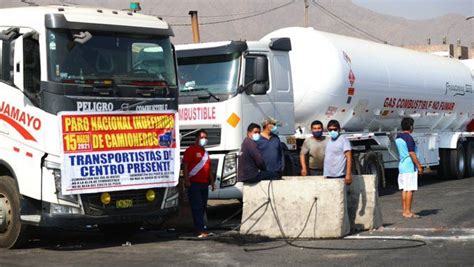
[408, 174]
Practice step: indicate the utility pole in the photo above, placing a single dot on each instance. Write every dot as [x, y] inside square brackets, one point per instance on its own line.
[306, 6]
[195, 26]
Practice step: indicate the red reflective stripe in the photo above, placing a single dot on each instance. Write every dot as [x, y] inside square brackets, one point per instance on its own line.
[18, 127]
[28, 154]
[16, 149]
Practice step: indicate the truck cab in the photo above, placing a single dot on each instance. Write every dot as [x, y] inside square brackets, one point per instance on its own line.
[55, 59]
[225, 86]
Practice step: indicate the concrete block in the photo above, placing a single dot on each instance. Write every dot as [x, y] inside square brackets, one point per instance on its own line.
[363, 203]
[300, 215]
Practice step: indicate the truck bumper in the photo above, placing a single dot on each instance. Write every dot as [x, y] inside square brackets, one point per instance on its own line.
[81, 221]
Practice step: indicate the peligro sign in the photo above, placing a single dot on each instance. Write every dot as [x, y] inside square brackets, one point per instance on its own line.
[197, 113]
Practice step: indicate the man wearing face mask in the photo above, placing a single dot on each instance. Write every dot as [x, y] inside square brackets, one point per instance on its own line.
[270, 146]
[315, 146]
[338, 156]
[197, 178]
[251, 164]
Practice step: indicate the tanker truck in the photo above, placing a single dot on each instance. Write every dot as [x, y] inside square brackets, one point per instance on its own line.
[84, 95]
[297, 75]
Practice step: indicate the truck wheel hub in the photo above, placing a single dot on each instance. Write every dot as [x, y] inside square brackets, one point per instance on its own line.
[5, 213]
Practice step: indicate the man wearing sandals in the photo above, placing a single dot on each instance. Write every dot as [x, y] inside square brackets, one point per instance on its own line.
[408, 174]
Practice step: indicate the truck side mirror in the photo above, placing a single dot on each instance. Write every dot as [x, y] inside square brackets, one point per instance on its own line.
[260, 86]
[259, 83]
[261, 70]
[258, 89]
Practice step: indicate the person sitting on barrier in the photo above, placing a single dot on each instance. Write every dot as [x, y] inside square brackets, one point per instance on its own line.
[251, 164]
[197, 178]
[338, 154]
[408, 175]
[315, 146]
[270, 146]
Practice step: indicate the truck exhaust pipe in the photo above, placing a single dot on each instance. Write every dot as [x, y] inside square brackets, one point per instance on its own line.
[195, 26]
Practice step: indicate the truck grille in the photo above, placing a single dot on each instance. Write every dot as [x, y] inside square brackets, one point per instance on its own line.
[93, 206]
[214, 136]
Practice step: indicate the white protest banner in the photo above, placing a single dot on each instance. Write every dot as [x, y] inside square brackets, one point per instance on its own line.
[118, 151]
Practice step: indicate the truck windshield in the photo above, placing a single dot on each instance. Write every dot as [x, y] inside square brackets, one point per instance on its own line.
[122, 58]
[217, 74]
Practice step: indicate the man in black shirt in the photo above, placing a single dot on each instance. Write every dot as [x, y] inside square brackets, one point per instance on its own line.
[252, 167]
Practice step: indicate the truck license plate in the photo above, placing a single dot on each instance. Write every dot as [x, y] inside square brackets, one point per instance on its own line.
[124, 203]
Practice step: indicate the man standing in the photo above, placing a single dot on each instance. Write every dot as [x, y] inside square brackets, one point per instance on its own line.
[197, 178]
[338, 158]
[251, 164]
[408, 175]
[270, 147]
[315, 146]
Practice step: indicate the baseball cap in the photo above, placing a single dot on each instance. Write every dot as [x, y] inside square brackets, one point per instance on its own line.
[270, 120]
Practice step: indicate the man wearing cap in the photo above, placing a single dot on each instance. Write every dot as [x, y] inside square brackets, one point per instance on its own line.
[270, 146]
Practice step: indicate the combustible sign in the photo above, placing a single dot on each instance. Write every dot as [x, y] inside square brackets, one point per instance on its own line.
[118, 151]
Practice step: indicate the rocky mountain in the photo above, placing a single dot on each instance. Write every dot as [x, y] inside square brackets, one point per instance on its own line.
[252, 19]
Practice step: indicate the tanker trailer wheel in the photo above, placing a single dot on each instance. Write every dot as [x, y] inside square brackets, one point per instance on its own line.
[443, 167]
[457, 162]
[470, 158]
[13, 233]
[372, 165]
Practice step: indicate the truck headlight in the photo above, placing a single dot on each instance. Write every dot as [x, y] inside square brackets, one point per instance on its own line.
[229, 170]
[171, 197]
[55, 169]
[61, 209]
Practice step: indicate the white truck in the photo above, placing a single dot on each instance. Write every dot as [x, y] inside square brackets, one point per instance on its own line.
[297, 75]
[57, 59]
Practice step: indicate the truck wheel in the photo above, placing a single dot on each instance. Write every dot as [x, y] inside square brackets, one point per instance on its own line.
[372, 165]
[470, 158]
[457, 162]
[290, 165]
[12, 231]
[356, 166]
[443, 167]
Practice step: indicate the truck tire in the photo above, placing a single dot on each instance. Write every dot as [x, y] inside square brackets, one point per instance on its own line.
[372, 165]
[457, 162]
[443, 167]
[470, 158]
[13, 234]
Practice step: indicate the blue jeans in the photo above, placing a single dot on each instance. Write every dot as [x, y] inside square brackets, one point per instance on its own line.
[197, 195]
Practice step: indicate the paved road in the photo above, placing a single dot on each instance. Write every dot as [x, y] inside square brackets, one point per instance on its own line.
[446, 225]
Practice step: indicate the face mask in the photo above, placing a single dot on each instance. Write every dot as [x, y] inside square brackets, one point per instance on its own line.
[203, 142]
[256, 137]
[274, 130]
[317, 134]
[334, 134]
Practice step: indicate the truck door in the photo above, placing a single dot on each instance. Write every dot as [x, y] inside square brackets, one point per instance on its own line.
[257, 100]
[282, 91]
[277, 99]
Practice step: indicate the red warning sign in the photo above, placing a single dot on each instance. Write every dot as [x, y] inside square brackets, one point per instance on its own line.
[351, 77]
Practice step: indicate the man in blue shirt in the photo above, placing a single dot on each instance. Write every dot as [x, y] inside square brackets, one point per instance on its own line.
[270, 146]
[408, 175]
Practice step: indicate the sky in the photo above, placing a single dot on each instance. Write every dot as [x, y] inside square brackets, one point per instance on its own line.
[419, 9]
